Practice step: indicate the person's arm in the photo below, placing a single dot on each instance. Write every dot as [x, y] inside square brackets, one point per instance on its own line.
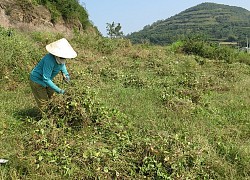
[65, 73]
[47, 71]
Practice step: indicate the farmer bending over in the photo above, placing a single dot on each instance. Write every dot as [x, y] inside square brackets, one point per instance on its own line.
[41, 77]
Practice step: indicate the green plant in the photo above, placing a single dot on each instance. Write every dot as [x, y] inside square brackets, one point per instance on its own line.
[78, 109]
[244, 58]
[19, 55]
[134, 81]
[176, 46]
[68, 9]
[218, 22]
[133, 112]
[114, 30]
[202, 48]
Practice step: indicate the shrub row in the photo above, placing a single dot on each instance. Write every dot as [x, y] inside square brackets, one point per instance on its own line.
[203, 48]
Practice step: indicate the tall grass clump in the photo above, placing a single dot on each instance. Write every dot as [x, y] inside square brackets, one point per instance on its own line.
[18, 54]
[244, 58]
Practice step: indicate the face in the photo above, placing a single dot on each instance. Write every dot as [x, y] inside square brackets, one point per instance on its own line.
[61, 60]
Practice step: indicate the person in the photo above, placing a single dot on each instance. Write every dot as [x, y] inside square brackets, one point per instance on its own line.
[41, 77]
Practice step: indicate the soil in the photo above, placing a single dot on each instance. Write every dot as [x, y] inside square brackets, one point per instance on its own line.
[28, 17]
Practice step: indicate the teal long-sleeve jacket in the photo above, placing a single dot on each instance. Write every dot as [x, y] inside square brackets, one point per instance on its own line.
[46, 70]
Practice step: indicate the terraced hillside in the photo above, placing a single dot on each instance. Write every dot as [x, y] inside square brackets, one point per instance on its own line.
[217, 22]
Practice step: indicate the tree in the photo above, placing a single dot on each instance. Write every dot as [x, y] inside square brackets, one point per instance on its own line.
[114, 30]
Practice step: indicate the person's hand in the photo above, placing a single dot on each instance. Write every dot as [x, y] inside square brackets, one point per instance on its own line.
[66, 78]
[62, 91]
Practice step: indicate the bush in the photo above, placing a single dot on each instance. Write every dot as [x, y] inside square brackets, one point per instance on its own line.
[176, 47]
[244, 58]
[200, 47]
[68, 9]
[18, 55]
[78, 108]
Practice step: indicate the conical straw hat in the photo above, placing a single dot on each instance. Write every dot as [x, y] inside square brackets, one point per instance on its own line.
[61, 48]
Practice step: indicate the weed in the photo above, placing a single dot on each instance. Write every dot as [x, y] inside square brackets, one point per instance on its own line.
[130, 112]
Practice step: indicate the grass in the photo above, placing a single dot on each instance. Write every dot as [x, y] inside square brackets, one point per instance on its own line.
[132, 112]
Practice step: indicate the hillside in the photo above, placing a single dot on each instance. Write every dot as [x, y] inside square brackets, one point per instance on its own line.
[129, 111]
[217, 22]
[46, 15]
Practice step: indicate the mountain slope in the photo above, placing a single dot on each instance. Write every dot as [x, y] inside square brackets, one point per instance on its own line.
[130, 112]
[49, 15]
[216, 21]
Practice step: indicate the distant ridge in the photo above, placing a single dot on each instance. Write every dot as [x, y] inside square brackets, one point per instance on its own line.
[217, 22]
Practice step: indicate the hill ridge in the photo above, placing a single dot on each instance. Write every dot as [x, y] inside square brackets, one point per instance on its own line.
[218, 22]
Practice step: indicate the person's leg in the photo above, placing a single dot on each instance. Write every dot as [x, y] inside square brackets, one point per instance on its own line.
[40, 94]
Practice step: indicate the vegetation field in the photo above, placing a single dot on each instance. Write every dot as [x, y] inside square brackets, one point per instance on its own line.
[130, 111]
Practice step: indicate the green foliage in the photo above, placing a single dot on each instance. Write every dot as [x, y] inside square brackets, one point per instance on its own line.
[202, 48]
[216, 21]
[100, 44]
[134, 81]
[114, 30]
[18, 55]
[43, 39]
[70, 10]
[244, 58]
[77, 109]
[65, 117]
[176, 46]
[55, 13]
[130, 112]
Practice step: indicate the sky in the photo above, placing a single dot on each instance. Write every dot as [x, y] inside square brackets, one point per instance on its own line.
[133, 15]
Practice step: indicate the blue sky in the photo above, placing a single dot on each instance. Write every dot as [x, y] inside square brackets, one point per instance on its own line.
[133, 15]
